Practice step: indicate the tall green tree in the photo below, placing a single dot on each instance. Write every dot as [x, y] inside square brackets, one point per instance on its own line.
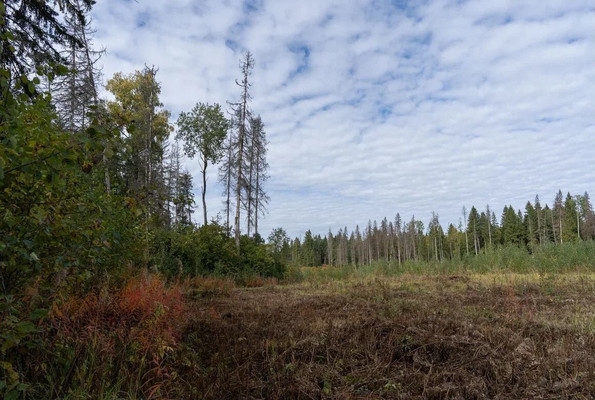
[145, 129]
[571, 221]
[512, 231]
[587, 216]
[307, 250]
[32, 33]
[203, 131]
[279, 244]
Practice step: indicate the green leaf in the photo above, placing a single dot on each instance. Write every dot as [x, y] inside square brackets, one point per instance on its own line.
[25, 327]
[12, 395]
[38, 314]
[22, 387]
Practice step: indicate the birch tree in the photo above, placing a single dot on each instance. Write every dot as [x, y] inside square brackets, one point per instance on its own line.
[203, 131]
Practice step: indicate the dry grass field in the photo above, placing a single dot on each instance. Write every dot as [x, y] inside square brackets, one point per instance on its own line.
[485, 336]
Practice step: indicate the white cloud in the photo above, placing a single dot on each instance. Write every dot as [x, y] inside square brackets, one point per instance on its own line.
[373, 109]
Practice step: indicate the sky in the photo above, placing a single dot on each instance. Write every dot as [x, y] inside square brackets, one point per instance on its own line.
[379, 107]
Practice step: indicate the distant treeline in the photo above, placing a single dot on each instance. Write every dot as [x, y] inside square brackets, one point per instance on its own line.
[570, 219]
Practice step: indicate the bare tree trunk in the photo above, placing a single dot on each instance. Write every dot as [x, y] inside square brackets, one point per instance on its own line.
[228, 184]
[239, 186]
[204, 190]
[553, 227]
[466, 236]
[246, 66]
[257, 191]
[489, 224]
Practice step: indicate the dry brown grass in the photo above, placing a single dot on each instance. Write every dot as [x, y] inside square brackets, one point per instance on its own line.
[412, 337]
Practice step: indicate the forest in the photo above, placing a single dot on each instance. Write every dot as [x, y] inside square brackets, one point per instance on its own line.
[569, 220]
[110, 288]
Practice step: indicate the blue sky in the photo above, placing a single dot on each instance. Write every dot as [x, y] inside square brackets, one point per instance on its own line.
[378, 107]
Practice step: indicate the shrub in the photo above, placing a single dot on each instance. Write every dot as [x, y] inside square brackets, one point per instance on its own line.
[111, 341]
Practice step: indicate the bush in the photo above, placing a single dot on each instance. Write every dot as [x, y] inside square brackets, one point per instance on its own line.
[112, 341]
[191, 251]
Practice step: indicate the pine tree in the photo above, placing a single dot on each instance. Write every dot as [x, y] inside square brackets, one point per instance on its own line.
[75, 93]
[359, 246]
[588, 217]
[436, 237]
[33, 32]
[571, 222]
[512, 227]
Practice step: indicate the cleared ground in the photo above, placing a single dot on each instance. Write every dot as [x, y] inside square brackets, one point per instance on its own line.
[409, 337]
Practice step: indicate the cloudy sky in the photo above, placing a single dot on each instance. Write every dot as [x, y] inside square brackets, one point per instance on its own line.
[374, 107]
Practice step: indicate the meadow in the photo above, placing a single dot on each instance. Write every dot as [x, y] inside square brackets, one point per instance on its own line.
[502, 325]
[471, 336]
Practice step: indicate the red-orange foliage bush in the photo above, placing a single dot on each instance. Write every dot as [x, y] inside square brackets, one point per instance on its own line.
[145, 310]
[94, 319]
[128, 332]
[159, 310]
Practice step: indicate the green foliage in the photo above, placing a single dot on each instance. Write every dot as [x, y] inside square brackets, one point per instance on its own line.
[33, 31]
[143, 129]
[255, 258]
[278, 243]
[193, 251]
[56, 221]
[551, 258]
[203, 131]
[60, 232]
[190, 251]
